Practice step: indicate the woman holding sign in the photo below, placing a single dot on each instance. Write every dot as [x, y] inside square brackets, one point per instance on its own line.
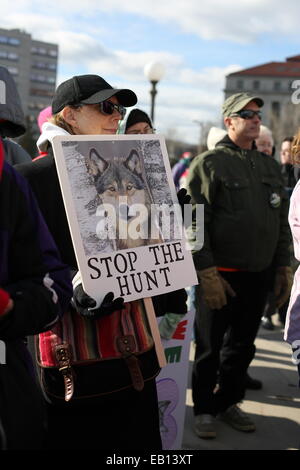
[109, 400]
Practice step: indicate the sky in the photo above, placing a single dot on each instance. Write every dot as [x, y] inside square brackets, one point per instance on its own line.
[197, 42]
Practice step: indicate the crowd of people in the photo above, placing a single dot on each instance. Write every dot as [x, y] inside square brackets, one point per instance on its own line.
[245, 272]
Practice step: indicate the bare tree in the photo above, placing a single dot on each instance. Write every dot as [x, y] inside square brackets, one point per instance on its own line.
[284, 123]
[204, 127]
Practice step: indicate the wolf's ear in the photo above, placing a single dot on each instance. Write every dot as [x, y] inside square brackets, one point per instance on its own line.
[133, 162]
[95, 163]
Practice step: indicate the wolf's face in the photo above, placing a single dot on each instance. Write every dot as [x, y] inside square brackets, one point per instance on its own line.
[123, 194]
[119, 184]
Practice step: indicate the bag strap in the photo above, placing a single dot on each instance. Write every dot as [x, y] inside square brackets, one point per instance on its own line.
[127, 347]
[63, 356]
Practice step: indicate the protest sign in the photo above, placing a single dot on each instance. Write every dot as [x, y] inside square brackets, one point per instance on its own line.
[172, 382]
[123, 215]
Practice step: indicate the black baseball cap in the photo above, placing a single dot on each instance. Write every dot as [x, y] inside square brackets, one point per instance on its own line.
[89, 89]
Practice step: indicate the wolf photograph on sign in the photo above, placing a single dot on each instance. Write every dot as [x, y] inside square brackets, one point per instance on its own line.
[118, 187]
[121, 188]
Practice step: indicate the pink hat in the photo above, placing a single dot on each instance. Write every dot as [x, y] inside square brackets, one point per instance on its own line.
[44, 115]
[186, 155]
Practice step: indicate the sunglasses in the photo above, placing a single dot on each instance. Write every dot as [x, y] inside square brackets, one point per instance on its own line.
[107, 107]
[247, 114]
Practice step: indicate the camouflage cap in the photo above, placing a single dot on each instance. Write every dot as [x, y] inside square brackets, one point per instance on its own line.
[238, 101]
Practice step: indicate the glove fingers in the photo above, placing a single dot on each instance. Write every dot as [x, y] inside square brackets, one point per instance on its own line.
[108, 298]
[88, 302]
[280, 301]
[216, 302]
[187, 199]
[82, 298]
[229, 289]
[181, 193]
[86, 313]
[211, 303]
[277, 289]
[119, 303]
[222, 300]
[183, 197]
[109, 305]
[282, 298]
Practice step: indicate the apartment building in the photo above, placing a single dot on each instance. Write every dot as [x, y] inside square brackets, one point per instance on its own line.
[276, 83]
[33, 64]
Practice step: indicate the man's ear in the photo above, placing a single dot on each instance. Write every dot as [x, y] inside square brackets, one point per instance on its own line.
[68, 114]
[227, 122]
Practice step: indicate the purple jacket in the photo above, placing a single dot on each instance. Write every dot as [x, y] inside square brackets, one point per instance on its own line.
[178, 170]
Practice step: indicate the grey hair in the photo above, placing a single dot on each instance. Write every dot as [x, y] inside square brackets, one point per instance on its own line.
[264, 130]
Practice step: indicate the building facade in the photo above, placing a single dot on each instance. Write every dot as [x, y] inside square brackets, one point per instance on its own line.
[33, 64]
[276, 83]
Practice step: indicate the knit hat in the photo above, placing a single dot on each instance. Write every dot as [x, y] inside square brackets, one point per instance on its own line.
[214, 136]
[44, 115]
[135, 116]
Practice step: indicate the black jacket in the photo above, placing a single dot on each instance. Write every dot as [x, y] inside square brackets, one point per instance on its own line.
[43, 179]
[245, 208]
[39, 284]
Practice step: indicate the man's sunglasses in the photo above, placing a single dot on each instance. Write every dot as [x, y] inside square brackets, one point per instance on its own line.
[107, 107]
[247, 114]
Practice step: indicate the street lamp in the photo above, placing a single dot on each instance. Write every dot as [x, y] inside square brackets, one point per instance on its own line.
[154, 71]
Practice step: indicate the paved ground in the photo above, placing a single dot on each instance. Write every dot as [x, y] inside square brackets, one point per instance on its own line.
[275, 409]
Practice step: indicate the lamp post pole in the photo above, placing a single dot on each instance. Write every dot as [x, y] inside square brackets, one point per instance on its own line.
[153, 93]
[154, 71]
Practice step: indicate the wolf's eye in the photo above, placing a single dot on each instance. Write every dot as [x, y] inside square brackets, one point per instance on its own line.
[111, 188]
[129, 187]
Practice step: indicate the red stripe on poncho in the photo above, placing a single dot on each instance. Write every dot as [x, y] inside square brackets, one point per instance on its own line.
[4, 299]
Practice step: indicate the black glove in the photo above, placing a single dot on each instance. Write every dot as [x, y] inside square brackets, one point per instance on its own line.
[171, 302]
[183, 198]
[84, 304]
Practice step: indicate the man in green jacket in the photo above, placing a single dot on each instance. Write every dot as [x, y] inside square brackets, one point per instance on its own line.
[246, 241]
